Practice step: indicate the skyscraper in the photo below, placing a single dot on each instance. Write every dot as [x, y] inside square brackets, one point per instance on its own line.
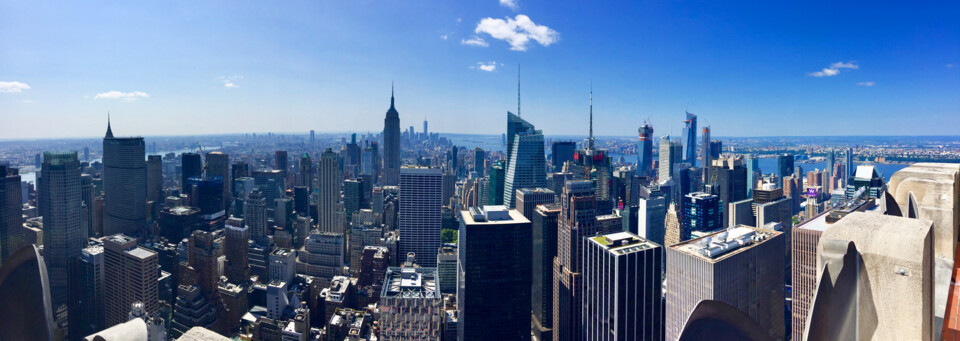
[322, 256]
[701, 212]
[562, 151]
[255, 217]
[529, 198]
[724, 266]
[281, 162]
[191, 166]
[63, 234]
[391, 146]
[578, 219]
[235, 250]
[419, 214]
[410, 303]
[784, 165]
[525, 166]
[651, 216]
[479, 156]
[154, 179]
[11, 217]
[706, 157]
[753, 168]
[496, 183]
[495, 268]
[645, 152]
[670, 154]
[328, 180]
[731, 178]
[124, 184]
[218, 164]
[545, 225]
[848, 166]
[130, 275]
[621, 288]
[92, 295]
[671, 226]
[305, 175]
[690, 139]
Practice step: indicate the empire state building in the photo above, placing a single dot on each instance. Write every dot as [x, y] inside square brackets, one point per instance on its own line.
[391, 146]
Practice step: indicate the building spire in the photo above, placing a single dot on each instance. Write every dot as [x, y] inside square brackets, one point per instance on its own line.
[391, 95]
[109, 131]
[518, 89]
[591, 115]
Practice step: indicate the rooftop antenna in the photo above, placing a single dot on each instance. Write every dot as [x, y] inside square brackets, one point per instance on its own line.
[518, 89]
[591, 115]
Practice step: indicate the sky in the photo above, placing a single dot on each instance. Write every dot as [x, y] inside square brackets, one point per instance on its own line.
[214, 67]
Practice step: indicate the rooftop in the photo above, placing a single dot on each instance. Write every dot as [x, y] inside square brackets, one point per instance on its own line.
[723, 244]
[622, 243]
[492, 215]
[406, 282]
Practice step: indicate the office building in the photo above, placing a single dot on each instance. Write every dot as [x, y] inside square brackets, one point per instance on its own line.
[866, 177]
[362, 235]
[529, 198]
[645, 151]
[479, 161]
[448, 185]
[207, 196]
[92, 286]
[690, 139]
[322, 256]
[305, 174]
[271, 183]
[60, 204]
[419, 214]
[198, 301]
[651, 216]
[706, 158]
[447, 268]
[218, 165]
[155, 179]
[621, 288]
[752, 164]
[701, 212]
[494, 247]
[374, 261]
[191, 166]
[410, 304]
[124, 184]
[561, 152]
[391, 146]
[236, 239]
[328, 181]
[848, 166]
[255, 217]
[673, 233]
[791, 189]
[496, 183]
[785, 165]
[281, 162]
[526, 161]
[671, 153]
[806, 236]
[731, 178]
[130, 275]
[545, 224]
[722, 266]
[11, 217]
[578, 219]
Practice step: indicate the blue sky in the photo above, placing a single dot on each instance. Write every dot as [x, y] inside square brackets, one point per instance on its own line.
[746, 68]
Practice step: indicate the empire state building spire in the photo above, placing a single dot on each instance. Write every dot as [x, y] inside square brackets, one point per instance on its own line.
[591, 116]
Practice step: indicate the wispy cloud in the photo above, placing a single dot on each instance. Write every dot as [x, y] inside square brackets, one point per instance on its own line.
[949, 66]
[866, 84]
[517, 31]
[474, 41]
[444, 36]
[834, 69]
[488, 67]
[127, 96]
[511, 4]
[231, 81]
[13, 87]
[28, 101]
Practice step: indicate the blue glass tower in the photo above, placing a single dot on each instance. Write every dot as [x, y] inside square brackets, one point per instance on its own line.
[690, 139]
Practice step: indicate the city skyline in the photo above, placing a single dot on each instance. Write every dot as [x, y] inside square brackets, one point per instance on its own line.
[741, 68]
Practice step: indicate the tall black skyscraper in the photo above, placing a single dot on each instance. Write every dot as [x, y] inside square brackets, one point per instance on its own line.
[562, 151]
[731, 178]
[11, 218]
[191, 166]
[124, 184]
[785, 165]
[391, 146]
[63, 233]
[690, 139]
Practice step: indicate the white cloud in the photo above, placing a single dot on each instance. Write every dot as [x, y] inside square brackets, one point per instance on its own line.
[444, 36]
[866, 84]
[949, 66]
[13, 87]
[28, 101]
[459, 20]
[511, 4]
[834, 69]
[517, 31]
[230, 82]
[474, 41]
[488, 67]
[127, 96]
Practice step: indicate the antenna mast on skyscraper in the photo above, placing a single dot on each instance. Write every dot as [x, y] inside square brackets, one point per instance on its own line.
[591, 115]
[518, 89]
